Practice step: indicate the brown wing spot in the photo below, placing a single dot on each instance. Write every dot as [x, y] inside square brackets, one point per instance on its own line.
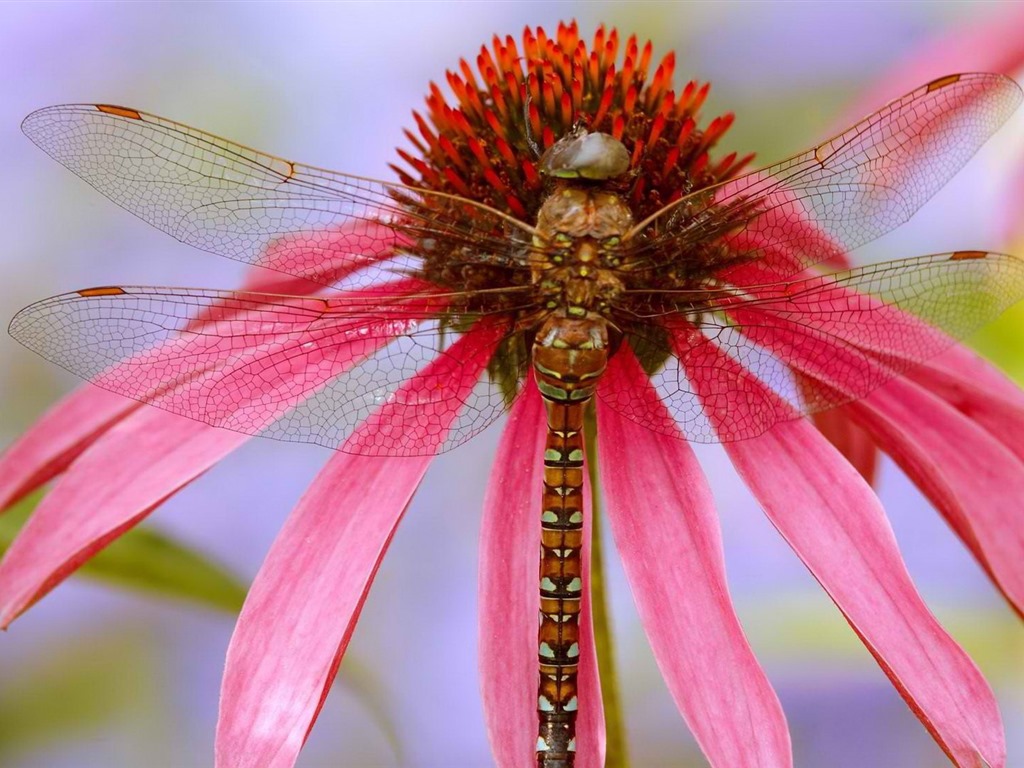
[942, 82]
[111, 291]
[962, 255]
[283, 168]
[110, 109]
[823, 152]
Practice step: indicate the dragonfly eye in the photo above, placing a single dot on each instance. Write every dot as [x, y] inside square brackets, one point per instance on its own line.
[582, 155]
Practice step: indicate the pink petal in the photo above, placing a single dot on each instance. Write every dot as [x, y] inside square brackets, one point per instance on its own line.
[867, 326]
[57, 439]
[662, 516]
[509, 602]
[115, 483]
[971, 478]
[851, 440]
[978, 390]
[151, 454]
[978, 494]
[992, 42]
[324, 257]
[795, 223]
[590, 728]
[72, 425]
[417, 418]
[75, 423]
[852, 341]
[719, 400]
[816, 314]
[805, 244]
[834, 522]
[839, 345]
[303, 605]
[245, 362]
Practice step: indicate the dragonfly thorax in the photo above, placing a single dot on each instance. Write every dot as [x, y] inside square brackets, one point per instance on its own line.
[576, 259]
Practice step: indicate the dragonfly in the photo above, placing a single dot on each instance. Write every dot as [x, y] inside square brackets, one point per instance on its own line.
[407, 319]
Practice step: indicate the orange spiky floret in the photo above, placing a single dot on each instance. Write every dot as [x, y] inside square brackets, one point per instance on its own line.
[481, 147]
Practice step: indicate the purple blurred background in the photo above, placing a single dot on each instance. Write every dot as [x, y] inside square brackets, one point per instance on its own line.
[134, 681]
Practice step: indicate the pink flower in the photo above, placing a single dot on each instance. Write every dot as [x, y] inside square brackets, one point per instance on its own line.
[994, 42]
[723, 328]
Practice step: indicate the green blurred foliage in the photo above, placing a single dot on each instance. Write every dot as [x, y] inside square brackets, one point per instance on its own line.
[57, 699]
[1002, 342]
[148, 561]
[366, 685]
[79, 689]
[810, 630]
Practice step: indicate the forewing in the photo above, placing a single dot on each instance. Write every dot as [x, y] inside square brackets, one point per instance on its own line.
[846, 191]
[733, 363]
[292, 368]
[252, 206]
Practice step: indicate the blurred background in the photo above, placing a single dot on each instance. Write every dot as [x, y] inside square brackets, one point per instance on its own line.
[95, 676]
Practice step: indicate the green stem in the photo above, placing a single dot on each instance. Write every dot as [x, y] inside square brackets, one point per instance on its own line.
[616, 749]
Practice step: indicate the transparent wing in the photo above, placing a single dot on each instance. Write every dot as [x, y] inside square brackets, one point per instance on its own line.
[376, 374]
[732, 363]
[254, 207]
[842, 193]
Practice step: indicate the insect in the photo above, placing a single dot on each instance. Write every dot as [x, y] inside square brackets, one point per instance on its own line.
[417, 316]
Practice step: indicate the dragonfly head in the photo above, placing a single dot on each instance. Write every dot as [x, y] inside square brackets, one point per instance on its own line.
[584, 155]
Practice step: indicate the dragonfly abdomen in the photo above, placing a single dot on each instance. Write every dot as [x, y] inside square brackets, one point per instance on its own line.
[569, 356]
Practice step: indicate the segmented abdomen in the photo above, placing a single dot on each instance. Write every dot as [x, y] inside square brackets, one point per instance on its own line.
[568, 361]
